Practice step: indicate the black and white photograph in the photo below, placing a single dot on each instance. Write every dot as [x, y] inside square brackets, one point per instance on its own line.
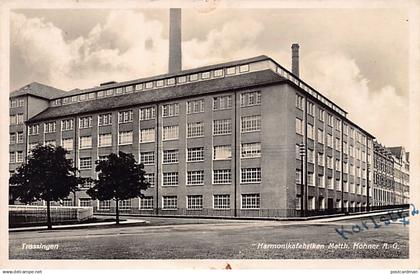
[230, 131]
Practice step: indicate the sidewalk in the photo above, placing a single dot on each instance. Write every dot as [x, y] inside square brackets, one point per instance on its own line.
[34, 228]
[356, 216]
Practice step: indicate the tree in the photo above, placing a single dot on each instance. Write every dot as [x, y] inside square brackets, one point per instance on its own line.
[47, 175]
[119, 178]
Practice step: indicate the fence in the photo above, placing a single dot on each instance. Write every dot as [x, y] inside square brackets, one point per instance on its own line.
[20, 215]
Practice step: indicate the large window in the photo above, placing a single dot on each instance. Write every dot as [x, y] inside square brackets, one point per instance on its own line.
[222, 176]
[250, 123]
[311, 108]
[195, 129]
[147, 135]
[195, 177]
[33, 129]
[251, 175]
[195, 106]
[222, 102]
[299, 126]
[105, 119]
[147, 113]
[299, 101]
[12, 157]
[67, 143]
[170, 110]
[169, 202]
[251, 150]
[147, 158]
[221, 201]
[67, 124]
[170, 156]
[250, 201]
[320, 136]
[170, 179]
[49, 127]
[170, 133]
[125, 116]
[125, 137]
[105, 140]
[85, 142]
[85, 122]
[221, 127]
[85, 163]
[195, 202]
[195, 154]
[85, 202]
[20, 137]
[19, 156]
[124, 204]
[146, 203]
[150, 178]
[104, 205]
[19, 119]
[311, 134]
[329, 140]
[12, 138]
[250, 98]
[223, 152]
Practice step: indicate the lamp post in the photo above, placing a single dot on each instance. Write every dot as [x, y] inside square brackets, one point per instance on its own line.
[302, 153]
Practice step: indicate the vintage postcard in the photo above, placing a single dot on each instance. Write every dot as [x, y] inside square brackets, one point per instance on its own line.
[210, 134]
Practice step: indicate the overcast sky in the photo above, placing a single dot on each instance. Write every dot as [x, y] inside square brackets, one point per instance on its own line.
[358, 58]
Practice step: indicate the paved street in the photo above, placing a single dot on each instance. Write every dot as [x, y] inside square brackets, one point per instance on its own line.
[178, 238]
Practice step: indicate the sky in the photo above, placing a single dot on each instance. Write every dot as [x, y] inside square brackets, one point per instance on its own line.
[356, 57]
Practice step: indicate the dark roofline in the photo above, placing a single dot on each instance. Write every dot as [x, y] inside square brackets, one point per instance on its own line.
[28, 90]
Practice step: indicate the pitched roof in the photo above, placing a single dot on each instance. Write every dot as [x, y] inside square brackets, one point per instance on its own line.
[259, 78]
[396, 151]
[39, 90]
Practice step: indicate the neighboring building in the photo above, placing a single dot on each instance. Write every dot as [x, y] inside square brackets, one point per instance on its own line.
[218, 140]
[401, 174]
[383, 180]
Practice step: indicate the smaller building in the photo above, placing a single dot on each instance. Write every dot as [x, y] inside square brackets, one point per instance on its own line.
[383, 181]
[401, 174]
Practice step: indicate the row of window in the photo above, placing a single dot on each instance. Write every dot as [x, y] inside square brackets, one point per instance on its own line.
[322, 203]
[14, 103]
[16, 157]
[207, 75]
[16, 119]
[16, 138]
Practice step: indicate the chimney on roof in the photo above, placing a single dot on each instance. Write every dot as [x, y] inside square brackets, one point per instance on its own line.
[175, 52]
[295, 59]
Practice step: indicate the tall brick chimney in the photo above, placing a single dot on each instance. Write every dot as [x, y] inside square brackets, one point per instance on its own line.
[295, 59]
[175, 52]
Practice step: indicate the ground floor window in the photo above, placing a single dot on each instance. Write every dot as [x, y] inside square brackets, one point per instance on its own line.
[67, 202]
[104, 205]
[250, 201]
[169, 202]
[195, 202]
[146, 203]
[124, 204]
[85, 202]
[221, 201]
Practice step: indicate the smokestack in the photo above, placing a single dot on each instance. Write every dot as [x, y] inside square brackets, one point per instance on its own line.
[175, 53]
[295, 59]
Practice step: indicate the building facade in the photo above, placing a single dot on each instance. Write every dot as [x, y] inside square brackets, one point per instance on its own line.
[244, 138]
[401, 174]
[384, 183]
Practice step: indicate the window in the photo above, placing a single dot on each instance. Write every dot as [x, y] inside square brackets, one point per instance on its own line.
[33, 129]
[320, 136]
[311, 108]
[170, 179]
[85, 142]
[194, 202]
[311, 132]
[320, 180]
[49, 127]
[13, 103]
[299, 126]
[338, 124]
[337, 144]
[298, 202]
[330, 183]
[231, 70]
[109, 92]
[170, 156]
[222, 102]
[147, 113]
[85, 202]
[311, 181]
[310, 156]
[345, 129]
[19, 156]
[150, 178]
[170, 81]
[91, 96]
[337, 165]
[146, 203]
[222, 176]
[67, 124]
[195, 154]
[250, 201]
[298, 177]
[223, 152]
[67, 202]
[321, 115]
[170, 110]
[125, 137]
[221, 201]
[194, 77]
[251, 175]
[244, 68]
[147, 135]
[105, 119]
[85, 163]
[252, 98]
[19, 119]
[321, 159]
[182, 79]
[221, 127]
[13, 119]
[195, 106]
[148, 85]
[329, 119]
[67, 144]
[119, 90]
[12, 157]
[105, 140]
[104, 205]
[85, 122]
[195, 177]
[12, 138]
[329, 140]
[329, 162]
[169, 202]
[250, 123]
[170, 133]
[218, 73]
[138, 87]
[124, 204]
[147, 158]
[82, 97]
[195, 129]
[251, 150]
[299, 101]
[125, 116]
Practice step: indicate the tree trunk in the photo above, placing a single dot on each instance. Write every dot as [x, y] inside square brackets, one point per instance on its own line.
[49, 224]
[117, 212]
